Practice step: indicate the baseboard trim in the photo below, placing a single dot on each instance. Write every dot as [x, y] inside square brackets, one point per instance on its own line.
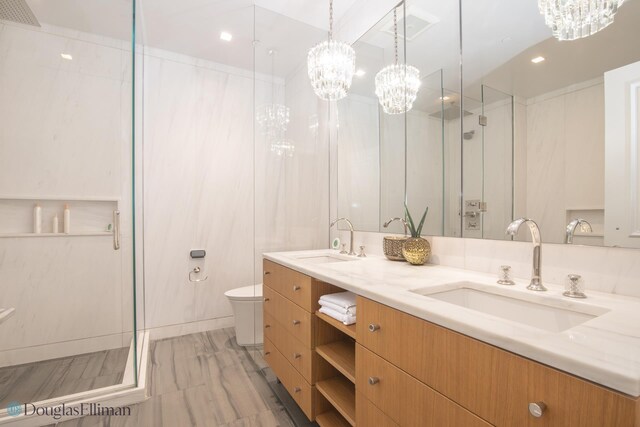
[190, 328]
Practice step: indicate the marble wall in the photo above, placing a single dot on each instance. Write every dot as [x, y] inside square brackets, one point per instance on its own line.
[65, 129]
[610, 270]
[565, 160]
[209, 184]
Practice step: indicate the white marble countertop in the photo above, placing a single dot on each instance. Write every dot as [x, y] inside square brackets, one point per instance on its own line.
[605, 349]
[6, 313]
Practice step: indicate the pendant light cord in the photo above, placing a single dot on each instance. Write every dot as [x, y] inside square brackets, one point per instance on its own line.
[395, 32]
[330, 20]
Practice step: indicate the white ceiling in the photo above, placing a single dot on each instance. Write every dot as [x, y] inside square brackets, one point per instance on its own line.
[499, 36]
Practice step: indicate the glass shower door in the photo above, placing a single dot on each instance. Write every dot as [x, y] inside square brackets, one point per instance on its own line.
[66, 241]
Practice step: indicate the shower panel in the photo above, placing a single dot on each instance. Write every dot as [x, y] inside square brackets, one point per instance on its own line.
[66, 203]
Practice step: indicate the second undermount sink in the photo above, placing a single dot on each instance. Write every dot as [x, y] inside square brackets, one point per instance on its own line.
[325, 259]
[549, 316]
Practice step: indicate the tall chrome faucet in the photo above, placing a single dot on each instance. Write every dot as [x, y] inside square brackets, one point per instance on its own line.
[351, 252]
[536, 275]
[585, 226]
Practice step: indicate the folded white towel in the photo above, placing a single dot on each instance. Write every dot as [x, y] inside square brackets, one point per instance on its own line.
[345, 300]
[351, 311]
[344, 318]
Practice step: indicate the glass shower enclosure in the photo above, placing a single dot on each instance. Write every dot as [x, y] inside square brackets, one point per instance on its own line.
[67, 300]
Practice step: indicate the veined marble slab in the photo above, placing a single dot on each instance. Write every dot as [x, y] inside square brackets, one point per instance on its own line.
[605, 349]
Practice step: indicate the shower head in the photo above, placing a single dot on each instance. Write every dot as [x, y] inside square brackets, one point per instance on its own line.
[18, 11]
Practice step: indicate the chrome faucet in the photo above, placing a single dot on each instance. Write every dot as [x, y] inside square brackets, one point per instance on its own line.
[351, 251]
[536, 275]
[404, 223]
[571, 228]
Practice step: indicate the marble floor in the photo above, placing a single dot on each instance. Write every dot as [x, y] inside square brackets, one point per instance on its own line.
[37, 381]
[205, 379]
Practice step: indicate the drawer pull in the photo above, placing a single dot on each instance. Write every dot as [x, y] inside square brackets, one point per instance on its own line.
[297, 355]
[297, 389]
[266, 353]
[296, 322]
[374, 380]
[537, 409]
[266, 300]
[267, 326]
[373, 327]
[267, 273]
[296, 288]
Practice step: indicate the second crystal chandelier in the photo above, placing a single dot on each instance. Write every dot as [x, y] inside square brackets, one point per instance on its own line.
[397, 84]
[331, 65]
[574, 19]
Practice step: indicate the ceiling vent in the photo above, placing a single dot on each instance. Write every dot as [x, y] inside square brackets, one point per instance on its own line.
[417, 22]
[17, 11]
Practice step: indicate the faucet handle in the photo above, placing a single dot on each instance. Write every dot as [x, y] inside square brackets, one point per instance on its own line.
[362, 254]
[505, 276]
[574, 287]
[344, 249]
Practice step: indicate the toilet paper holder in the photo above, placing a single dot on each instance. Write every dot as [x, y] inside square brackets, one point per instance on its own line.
[195, 271]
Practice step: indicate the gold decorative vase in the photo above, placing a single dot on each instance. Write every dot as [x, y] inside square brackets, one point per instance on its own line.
[392, 246]
[416, 250]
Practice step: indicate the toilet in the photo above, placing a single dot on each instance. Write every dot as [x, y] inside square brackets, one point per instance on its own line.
[247, 309]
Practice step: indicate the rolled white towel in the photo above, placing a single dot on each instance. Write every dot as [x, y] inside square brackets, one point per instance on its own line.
[344, 318]
[345, 300]
[351, 311]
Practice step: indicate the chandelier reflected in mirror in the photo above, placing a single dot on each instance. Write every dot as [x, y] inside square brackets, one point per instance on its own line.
[330, 65]
[574, 19]
[397, 85]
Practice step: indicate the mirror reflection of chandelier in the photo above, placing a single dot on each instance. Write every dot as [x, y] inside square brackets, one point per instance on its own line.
[397, 85]
[273, 120]
[283, 147]
[574, 19]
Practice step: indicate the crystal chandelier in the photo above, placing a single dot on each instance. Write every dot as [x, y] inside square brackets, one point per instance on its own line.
[574, 19]
[331, 65]
[273, 118]
[397, 85]
[283, 147]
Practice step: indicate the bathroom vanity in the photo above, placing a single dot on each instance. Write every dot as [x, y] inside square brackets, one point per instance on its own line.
[422, 354]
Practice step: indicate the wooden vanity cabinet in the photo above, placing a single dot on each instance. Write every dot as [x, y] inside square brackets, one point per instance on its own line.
[492, 383]
[291, 333]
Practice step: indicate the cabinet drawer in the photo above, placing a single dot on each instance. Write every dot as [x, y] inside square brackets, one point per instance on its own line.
[404, 399]
[368, 414]
[295, 320]
[301, 391]
[298, 355]
[490, 382]
[289, 283]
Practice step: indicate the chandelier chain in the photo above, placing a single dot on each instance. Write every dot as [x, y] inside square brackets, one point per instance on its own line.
[395, 33]
[330, 19]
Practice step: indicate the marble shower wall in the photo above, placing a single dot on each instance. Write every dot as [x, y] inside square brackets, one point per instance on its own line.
[564, 160]
[65, 129]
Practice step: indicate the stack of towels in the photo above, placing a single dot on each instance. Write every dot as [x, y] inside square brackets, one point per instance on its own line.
[340, 306]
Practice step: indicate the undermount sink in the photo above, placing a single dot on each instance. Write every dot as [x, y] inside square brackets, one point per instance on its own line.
[325, 259]
[550, 316]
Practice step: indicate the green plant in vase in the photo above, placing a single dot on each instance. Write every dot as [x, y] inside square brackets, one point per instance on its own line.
[416, 250]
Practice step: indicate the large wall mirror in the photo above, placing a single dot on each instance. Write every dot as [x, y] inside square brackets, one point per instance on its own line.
[550, 127]
[386, 159]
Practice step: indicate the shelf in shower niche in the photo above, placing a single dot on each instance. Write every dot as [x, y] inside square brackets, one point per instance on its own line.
[96, 233]
[61, 198]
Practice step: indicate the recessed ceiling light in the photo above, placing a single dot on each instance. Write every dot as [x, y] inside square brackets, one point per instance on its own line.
[66, 56]
[538, 59]
[225, 36]
[360, 72]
